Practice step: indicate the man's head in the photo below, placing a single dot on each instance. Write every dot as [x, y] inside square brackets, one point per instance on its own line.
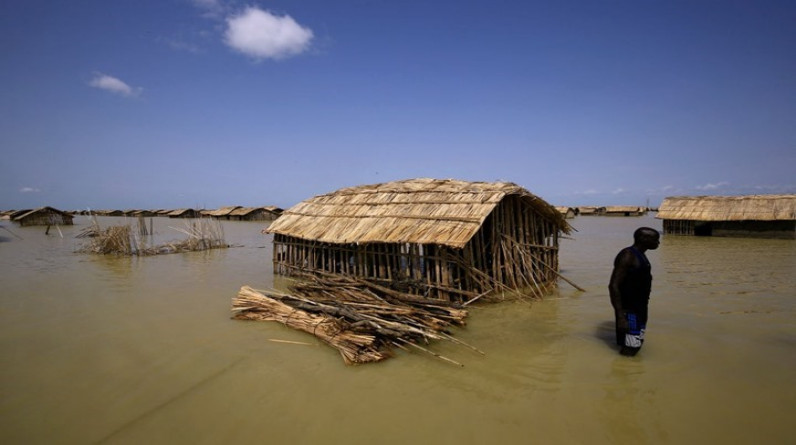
[646, 238]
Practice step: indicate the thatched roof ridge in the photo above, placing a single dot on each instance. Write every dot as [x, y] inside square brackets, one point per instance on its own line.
[424, 211]
[729, 208]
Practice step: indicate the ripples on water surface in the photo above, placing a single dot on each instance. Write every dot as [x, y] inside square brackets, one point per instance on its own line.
[142, 350]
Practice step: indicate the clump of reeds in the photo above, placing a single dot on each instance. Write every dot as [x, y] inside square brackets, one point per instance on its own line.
[124, 241]
[92, 230]
[113, 240]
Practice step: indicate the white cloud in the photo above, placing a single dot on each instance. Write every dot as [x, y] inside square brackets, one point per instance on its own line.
[715, 186]
[114, 85]
[29, 190]
[262, 35]
[618, 191]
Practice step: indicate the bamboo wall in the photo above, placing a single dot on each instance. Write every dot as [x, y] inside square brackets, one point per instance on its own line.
[678, 227]
[514, 249]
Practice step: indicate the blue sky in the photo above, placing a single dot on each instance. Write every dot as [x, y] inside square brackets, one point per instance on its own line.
[208, 103]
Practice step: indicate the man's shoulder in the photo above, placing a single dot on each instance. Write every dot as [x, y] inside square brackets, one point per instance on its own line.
[626, 257]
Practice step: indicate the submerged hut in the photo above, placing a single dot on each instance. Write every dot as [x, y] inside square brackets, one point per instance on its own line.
[445, 239]
[255, 213]
[567, 212]
[43, 216]
[765, 216]
[591, 210]
[184, 213]
[221, 212]
[624, 211]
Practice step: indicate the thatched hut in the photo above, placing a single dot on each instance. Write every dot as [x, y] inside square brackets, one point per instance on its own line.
[766, 216]
[624, 211]
[255, 213]
[143, 213]
[43, 216]
[184, 213]
[221, 212]
[567, 212]
[591, 210]
[445, 239]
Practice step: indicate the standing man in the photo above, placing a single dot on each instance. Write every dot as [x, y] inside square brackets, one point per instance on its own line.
[631, 282]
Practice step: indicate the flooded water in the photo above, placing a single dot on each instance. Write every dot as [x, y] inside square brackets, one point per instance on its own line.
[143, 350]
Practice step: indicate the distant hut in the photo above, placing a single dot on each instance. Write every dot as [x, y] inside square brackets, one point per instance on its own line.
[43, 216]
[184, 213]
[255, 214]
[765, 216]
[624, 211]
[221, 212]
[143, 213]
[591, 210]
[567, 212]
[276, 211]
[446, 239]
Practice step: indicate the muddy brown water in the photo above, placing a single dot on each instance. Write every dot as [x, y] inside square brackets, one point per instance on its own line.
[143, 350]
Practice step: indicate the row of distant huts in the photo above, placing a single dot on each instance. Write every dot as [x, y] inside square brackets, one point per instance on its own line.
[52, 216]
[768, 216]
[571, 212]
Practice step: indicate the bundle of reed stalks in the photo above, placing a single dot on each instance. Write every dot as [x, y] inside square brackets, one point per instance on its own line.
[122, 240]
[361, 319]
[113, 240]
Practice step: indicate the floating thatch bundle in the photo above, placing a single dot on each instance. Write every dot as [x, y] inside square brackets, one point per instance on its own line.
[361, 319]
[767, 216]
[444, 239]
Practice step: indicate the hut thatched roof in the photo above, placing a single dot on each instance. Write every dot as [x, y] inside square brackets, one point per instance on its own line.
[729, 208]
[243, 211]
[222, 211]
[623, 209]
[27, 213]
[424, 211]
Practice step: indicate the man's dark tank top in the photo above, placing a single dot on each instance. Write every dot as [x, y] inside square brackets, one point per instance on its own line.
[635, 289]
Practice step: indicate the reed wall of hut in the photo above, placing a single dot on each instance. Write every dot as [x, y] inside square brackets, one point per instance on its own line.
[515, 246]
